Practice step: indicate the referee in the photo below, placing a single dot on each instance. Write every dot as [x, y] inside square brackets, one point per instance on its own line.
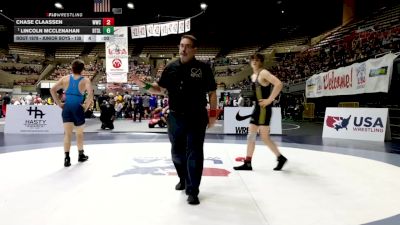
[188, 82]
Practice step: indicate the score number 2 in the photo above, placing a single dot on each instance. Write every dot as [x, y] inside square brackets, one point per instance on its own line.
[108, 21]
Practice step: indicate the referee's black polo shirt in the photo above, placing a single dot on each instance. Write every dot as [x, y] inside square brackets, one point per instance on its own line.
[187, 85]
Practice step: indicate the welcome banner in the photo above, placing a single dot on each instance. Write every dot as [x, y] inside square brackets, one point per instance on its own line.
[371, 76]
[160, 29]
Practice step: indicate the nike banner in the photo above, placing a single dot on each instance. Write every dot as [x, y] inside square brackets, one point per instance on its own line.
[237, 120]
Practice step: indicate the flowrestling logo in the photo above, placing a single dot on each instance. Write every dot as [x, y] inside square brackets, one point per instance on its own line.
[356, 123]
[163, 166]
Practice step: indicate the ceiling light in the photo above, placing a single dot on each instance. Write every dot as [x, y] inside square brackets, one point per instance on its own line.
[203, 6]
[58, 5]
[130, 5]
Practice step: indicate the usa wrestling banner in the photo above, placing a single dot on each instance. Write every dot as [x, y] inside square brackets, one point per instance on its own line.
[117, 55]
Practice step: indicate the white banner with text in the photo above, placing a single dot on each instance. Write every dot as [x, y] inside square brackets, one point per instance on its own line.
[369, 124]
[237, 120]
[160, 29]
[117, 55]
[371, 76]
[33, 119]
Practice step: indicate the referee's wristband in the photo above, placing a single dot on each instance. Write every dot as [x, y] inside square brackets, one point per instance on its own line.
[147, 86]
[213, 113]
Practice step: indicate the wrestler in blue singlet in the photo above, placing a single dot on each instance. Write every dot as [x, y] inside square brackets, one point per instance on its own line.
[73, 110]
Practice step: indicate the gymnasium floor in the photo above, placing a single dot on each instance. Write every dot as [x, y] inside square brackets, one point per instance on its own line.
[130, 179]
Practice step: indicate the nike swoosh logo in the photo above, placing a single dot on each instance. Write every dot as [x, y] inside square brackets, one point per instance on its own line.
[240, 118]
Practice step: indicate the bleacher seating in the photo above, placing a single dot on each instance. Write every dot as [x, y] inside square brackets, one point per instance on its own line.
[246, 51]
[69, 51]
[356, 41]
[379, 20]
[65, 69]
[160, 50]
[131, 48]
[207, 53]
[21, 68]
[285, 44]
[98, 50]
[26, 51]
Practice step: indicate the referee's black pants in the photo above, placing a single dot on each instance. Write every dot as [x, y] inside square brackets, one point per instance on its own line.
[186, 133]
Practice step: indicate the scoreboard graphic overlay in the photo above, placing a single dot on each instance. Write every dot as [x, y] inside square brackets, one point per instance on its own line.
[63, 29]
